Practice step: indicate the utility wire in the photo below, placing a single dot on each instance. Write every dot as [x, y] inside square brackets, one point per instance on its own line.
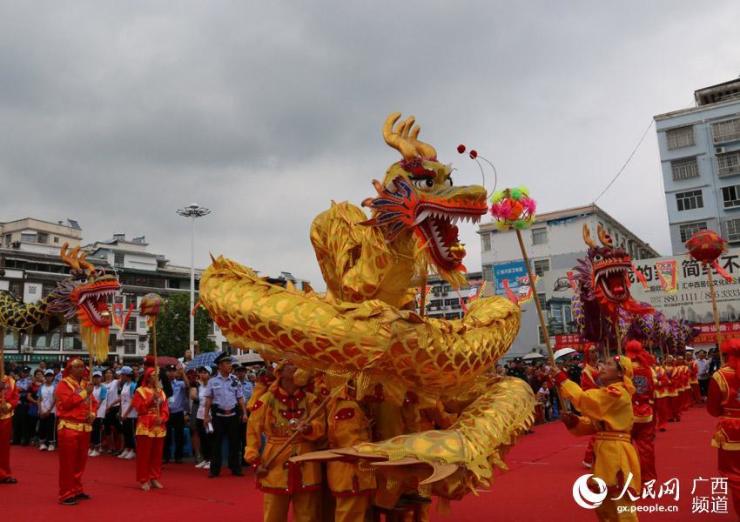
[632, 155]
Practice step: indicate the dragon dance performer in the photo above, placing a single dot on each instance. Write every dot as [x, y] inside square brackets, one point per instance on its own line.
[723, 401]
[662, 399]
[685, 393]
[693, 377]
[643, 400]
[673, 389]
[152, 408]
[347, 425]
[606, 412]
[76, 407]
[589, 381]
[280, 412]
[10, 399]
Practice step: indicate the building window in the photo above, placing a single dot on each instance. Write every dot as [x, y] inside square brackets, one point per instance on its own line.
[542, 298]
[724, 131]
[118, 258]
[728, 164]
[733, 230]
[541, 266]
[42, 237]
[679, 138]
[485, 238]
[131, 324]
[129, 346]
[28, 238]
[684, 169]
[539, 236]
[689, 229]
[689, 200]
[56, 239]
[731, 196]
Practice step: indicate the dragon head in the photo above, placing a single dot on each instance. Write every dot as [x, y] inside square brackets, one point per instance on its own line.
[85, 293]
[417, 196]
[610, 268]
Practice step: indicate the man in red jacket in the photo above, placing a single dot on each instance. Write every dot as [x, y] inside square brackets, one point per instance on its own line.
[723, 401]
[8, 401]
[643, 401]
[76, 407]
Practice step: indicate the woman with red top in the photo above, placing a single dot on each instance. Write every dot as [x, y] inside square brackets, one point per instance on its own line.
[9, 398]
[153, 411]
[76, 407]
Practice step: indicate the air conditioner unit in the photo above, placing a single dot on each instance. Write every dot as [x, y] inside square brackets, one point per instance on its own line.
[719, 150]
[16, 244]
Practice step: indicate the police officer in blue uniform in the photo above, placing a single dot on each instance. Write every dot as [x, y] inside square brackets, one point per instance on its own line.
[225, 409]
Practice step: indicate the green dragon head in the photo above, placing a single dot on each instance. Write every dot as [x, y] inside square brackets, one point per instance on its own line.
[418, 197]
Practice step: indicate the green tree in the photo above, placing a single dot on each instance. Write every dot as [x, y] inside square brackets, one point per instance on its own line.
[173, 327]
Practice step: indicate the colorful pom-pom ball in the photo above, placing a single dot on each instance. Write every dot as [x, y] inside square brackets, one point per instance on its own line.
[473, 154]
[461, 148]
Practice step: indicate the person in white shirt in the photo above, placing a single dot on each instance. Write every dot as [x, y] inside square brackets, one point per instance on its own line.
[703, 374]
[112, 427]
[127, 387]
[100, 393]
[47, 413]
[205, 433]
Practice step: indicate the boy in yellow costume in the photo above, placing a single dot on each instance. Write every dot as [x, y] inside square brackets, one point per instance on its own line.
[351, 486]
[279, 413]
[606, 412]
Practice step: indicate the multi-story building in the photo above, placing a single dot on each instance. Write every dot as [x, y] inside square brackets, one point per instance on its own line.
[42, 237]
[700, 160]
[554, 242]
[444, 302]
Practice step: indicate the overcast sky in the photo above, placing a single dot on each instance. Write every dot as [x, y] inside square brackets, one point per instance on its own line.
[117, 113]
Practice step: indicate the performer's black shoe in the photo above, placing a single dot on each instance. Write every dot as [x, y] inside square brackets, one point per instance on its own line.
[82, 496]
[237, 473]
[9, 480]
[71, 501]
[212, 475]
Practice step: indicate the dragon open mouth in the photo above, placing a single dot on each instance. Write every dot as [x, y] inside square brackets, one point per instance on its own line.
[92, 303]
[613, 280]
[438, 227]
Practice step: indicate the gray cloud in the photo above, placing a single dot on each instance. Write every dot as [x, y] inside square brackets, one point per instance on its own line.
[118, 113]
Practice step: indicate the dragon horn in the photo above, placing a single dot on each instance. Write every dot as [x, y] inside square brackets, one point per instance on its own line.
[604, 236]
[70, 258]
[395, 139]
[587, 237]
[424, 149]
[84, 263]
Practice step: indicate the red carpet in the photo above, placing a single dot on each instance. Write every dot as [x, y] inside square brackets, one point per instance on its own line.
[538, 486]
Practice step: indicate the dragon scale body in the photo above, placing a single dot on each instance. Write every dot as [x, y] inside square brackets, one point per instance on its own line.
[365, 327]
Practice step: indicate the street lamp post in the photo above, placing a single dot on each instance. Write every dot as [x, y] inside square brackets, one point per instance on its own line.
[192, 211]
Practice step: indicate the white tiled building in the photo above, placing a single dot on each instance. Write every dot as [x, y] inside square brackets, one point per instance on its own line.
[700, 160]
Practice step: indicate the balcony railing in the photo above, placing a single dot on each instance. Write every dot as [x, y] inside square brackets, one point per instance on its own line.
[728, 164]
[725, 131]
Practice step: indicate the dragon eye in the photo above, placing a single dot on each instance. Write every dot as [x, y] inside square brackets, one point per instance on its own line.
[423, 183]
[598, 257]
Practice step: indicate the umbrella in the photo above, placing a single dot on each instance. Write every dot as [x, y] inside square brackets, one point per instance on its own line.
[564, 351]
[166, 360]
[202, 359]
[532, 356]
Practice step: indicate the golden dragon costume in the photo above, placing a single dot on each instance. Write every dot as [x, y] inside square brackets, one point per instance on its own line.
[366, 325]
